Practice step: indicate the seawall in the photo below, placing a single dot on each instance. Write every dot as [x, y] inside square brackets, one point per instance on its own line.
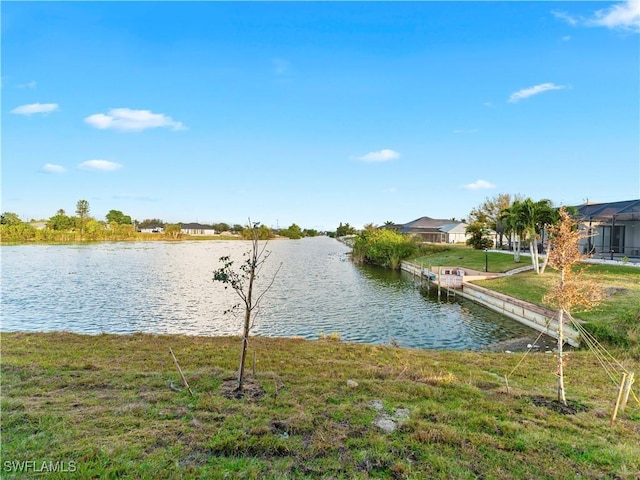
[539, 318]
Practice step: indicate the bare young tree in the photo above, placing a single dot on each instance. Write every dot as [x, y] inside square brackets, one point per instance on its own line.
[242, 281]
[570, 291]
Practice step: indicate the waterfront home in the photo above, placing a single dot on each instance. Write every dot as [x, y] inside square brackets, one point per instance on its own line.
[613, 227]
[197, 229]
[151, 229]
[435, 230]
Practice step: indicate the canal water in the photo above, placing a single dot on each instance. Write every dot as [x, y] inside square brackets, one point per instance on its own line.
[168, 287]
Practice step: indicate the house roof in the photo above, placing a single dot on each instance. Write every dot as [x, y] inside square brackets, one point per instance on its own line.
[428, 224]
[626, 210]
[196, 226]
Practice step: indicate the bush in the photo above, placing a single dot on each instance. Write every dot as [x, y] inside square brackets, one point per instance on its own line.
[383, 247]
[479, 236]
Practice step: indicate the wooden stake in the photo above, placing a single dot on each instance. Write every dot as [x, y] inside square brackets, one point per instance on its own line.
[254, 364]
[627, 390]
[615, 410]
[506, 380]
[184, 380]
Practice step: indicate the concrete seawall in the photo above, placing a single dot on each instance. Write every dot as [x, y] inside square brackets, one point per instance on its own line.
[539, 318]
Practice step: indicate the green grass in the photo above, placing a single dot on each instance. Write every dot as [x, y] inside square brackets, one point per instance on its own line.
[103, 402]
[615, 321]
[467, 257]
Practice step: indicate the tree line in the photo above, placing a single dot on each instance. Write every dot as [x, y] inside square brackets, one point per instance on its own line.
[118, 226]
[503, 221]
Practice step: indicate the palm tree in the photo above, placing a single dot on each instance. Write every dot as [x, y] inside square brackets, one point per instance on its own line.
[513, 226]
[528, 220]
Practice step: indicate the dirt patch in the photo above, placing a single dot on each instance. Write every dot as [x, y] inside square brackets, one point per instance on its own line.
[571, 408]
[611, 291]
[251, 390]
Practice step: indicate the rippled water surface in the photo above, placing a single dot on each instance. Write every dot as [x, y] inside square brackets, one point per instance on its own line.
[163, 287]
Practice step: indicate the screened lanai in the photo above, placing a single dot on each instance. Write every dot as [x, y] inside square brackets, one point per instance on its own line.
[614, 229]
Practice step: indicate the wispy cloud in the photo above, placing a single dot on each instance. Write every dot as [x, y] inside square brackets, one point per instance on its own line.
[384, 155]
[535, 90]
[126, 119]
[51, 168]
[621, 15]
[566, 38]
[479, 185]
[102, 165]
[31, 84]
[35, 108]
[564, 16]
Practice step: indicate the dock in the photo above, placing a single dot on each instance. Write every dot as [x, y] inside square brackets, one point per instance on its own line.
[452, 281]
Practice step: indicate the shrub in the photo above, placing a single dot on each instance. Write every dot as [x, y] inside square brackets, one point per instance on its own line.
[383, 247]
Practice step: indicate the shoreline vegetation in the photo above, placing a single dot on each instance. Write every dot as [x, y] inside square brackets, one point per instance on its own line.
[113, 406]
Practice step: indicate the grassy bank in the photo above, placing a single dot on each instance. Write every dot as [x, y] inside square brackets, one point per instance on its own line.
[104, 403]
[467, 257]
[616, 321]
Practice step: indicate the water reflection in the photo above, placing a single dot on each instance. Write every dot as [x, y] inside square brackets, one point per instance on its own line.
[167, 288]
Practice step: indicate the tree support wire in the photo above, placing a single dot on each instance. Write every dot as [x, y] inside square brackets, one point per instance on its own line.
[611, 366]
[522, 359]
[609, 363]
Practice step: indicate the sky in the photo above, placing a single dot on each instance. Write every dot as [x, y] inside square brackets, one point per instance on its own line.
[316, 113]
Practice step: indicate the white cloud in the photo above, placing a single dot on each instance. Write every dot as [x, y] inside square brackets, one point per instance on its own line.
[566, 38]
[535, 90]
[35, 108]
[565, 16]
[384, 155]
[623, 15]
[103, 165]
[31, 84]
[126, 119]
[51, 168]
[479, 185]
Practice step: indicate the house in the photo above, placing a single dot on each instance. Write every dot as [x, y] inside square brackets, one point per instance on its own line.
[38, 225]
[614, 228]
[151, 229]
[197, 229]
[436, 230]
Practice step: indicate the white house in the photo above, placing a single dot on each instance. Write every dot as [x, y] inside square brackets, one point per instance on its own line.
[197, 229]
[436, 230]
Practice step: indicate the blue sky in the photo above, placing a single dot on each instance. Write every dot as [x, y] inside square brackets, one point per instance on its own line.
[316, 113]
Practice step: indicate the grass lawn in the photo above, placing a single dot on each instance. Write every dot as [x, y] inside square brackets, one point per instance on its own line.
[615, 321]
[102, 404]
[467, 257]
